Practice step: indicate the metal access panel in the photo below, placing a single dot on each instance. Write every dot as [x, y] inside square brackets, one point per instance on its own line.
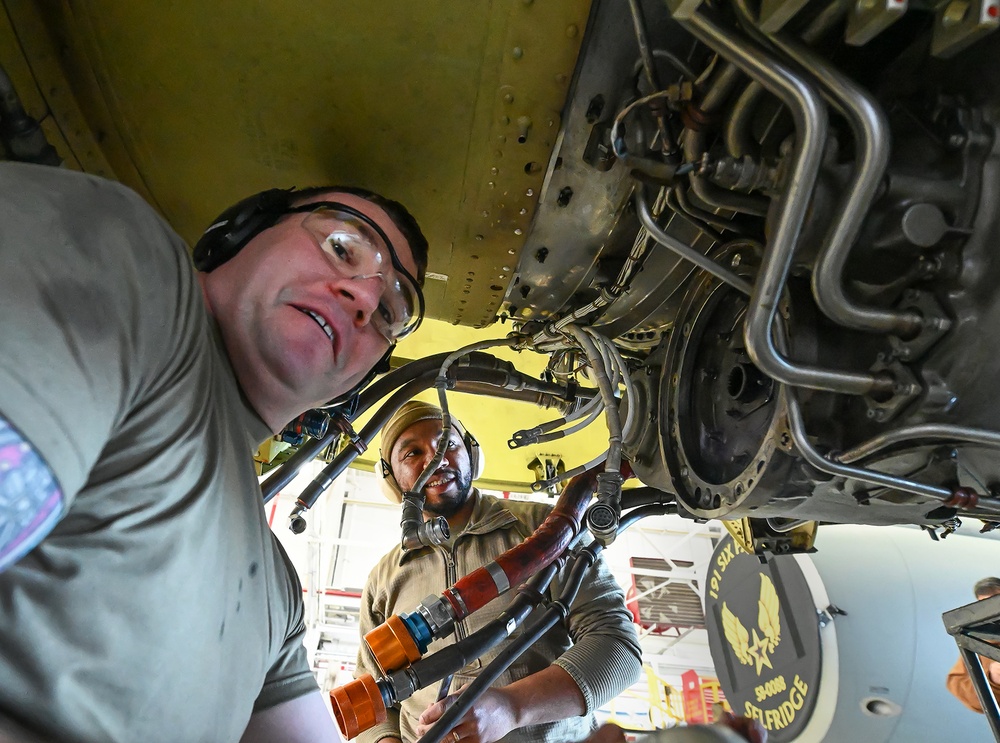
[451, 107]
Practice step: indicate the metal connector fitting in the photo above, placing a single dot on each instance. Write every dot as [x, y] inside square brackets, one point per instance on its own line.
[418, 533]
[602, 520]
[603, 516]
[438, 614]
[525, 437]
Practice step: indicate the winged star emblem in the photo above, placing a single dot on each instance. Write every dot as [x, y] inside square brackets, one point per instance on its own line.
[768, 621]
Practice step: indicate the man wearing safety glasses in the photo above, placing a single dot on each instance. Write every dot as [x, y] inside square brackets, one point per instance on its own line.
[324, 267]
[142, 594]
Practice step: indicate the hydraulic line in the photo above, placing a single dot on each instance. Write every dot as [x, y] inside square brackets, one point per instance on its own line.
[435, 616]
[810, 119]
[932, 431]
[493, 378]
[705, 221]
[870, 130]
[557, 612]
[694, 145]
[543, 547]
[961, 498]
[738, 140]
[685, 251]
[424, 672]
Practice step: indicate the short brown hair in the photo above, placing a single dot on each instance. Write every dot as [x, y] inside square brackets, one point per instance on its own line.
[987, 587]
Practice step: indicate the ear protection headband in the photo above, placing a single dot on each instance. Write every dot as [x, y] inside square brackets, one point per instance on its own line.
[387, 481]
[238, 224]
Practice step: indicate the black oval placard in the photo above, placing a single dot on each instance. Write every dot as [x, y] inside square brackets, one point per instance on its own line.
[763, 632]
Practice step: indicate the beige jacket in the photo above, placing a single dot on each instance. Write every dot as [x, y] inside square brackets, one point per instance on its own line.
[597, 645]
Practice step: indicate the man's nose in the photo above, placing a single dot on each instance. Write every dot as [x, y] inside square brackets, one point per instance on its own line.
[360, 296]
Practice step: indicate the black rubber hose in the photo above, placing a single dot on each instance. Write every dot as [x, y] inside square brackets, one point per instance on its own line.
[291, 466]
[555, 613]
[455, 657]
[496, 377]
[311, 492]
[584, 560]
[645, 496]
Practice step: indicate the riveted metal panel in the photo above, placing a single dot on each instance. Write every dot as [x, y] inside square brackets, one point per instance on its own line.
[448, 106]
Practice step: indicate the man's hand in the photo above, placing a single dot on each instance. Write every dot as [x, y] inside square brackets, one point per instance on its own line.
[606, 733]
[993, 673]
[749, 728]
[490, 719]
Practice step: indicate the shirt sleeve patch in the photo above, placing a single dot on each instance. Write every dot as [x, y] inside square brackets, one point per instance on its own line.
[31, 502]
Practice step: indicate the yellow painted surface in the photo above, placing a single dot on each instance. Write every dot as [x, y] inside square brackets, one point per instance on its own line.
[492, 420]
[198, 103]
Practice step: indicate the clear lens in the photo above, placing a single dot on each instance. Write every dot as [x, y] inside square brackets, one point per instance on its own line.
[355, 250]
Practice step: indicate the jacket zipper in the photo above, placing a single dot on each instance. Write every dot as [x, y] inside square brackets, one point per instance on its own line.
[451, 577]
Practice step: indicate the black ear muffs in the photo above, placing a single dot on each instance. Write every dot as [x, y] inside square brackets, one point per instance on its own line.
[238, 224]
[387, 481]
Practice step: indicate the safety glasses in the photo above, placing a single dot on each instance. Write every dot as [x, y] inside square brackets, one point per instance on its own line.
[357, 248]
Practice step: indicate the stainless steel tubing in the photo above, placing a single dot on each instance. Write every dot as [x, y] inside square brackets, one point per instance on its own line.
[931, 431]
[870, 130]
[810, 117]
[693, 143]
[685, 251]
[871, 477]
[737, 133]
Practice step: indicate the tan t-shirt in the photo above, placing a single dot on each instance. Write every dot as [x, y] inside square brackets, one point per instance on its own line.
[161, 607]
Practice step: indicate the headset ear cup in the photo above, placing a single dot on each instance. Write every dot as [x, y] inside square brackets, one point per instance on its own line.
[237, 225]
[387, 483]
[477, 459]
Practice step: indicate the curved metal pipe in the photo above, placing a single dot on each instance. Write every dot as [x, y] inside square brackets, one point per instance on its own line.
[810, 119]
[817, 460]
[694, 144]
[943, 431]
[738, 139]
[745, 203]
[870, 130]
[685, 251]
[739, 142]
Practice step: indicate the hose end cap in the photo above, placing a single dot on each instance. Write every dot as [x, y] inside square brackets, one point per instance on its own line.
[357, 706]
[392, 645]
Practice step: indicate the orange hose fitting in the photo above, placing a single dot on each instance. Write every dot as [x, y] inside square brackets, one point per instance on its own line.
[357, 706]
[392, 645]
